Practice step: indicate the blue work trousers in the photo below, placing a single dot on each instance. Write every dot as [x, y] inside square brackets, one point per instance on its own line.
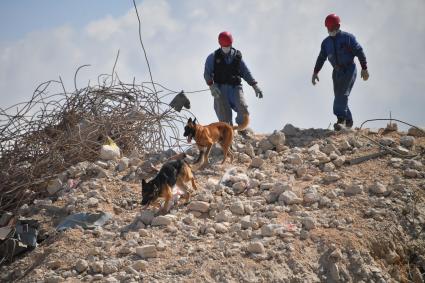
[231, 98]
[343, 81]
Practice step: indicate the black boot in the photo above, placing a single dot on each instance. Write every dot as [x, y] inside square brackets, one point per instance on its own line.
[244, 134]
[349, 124]
[340, 124]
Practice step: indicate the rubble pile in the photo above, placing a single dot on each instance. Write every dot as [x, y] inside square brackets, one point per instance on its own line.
[290, 208]
[52, 132]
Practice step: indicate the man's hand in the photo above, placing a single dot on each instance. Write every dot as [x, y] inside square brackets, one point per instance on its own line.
[258, 92]
[364, 74]
[314, 78]
[215, 91]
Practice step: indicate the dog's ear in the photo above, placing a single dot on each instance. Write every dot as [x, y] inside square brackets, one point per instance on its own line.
[194, 121]
[189, 120]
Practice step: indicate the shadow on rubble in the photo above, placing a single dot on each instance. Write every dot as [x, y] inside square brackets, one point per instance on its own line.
[296, 137]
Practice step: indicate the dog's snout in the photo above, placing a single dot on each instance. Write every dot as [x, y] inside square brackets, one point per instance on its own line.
[186, 131]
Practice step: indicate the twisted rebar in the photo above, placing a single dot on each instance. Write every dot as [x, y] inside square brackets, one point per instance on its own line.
[44, 136]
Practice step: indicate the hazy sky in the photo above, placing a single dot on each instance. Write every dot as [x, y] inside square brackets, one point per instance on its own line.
[280, 40]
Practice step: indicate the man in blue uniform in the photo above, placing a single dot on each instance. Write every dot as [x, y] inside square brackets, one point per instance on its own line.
[223, 72]
[340, 48]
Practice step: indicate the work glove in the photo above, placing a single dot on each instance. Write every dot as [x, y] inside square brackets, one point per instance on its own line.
[364, 74]
[215, 91]
[258, 92]
[314, 78]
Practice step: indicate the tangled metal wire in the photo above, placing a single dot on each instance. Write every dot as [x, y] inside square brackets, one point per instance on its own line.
[43, 137]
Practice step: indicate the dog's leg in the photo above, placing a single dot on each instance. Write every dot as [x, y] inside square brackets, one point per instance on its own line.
[190, 177]
[186, 195]
[184, 179]
[194, 184]
[168, 196]
[201, 155]
[226, 151]
[207, 155]
[230, 152]
[226, 144]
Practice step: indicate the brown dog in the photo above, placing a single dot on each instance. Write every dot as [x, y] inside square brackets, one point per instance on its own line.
[207, 136]
[174, 173]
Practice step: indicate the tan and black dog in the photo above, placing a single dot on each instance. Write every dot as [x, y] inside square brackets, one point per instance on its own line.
[206, 136]
[172, 173]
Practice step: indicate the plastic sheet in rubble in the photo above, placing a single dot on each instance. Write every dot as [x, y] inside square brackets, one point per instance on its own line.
[85, 220]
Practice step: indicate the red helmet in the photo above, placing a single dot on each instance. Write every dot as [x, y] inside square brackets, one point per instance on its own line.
[332, 21]
[225, 39]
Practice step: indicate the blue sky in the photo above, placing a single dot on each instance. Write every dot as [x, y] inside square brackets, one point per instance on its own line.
[23, 16]
[280, 39]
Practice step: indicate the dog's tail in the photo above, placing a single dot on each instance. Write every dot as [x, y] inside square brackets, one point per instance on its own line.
[244, 124]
